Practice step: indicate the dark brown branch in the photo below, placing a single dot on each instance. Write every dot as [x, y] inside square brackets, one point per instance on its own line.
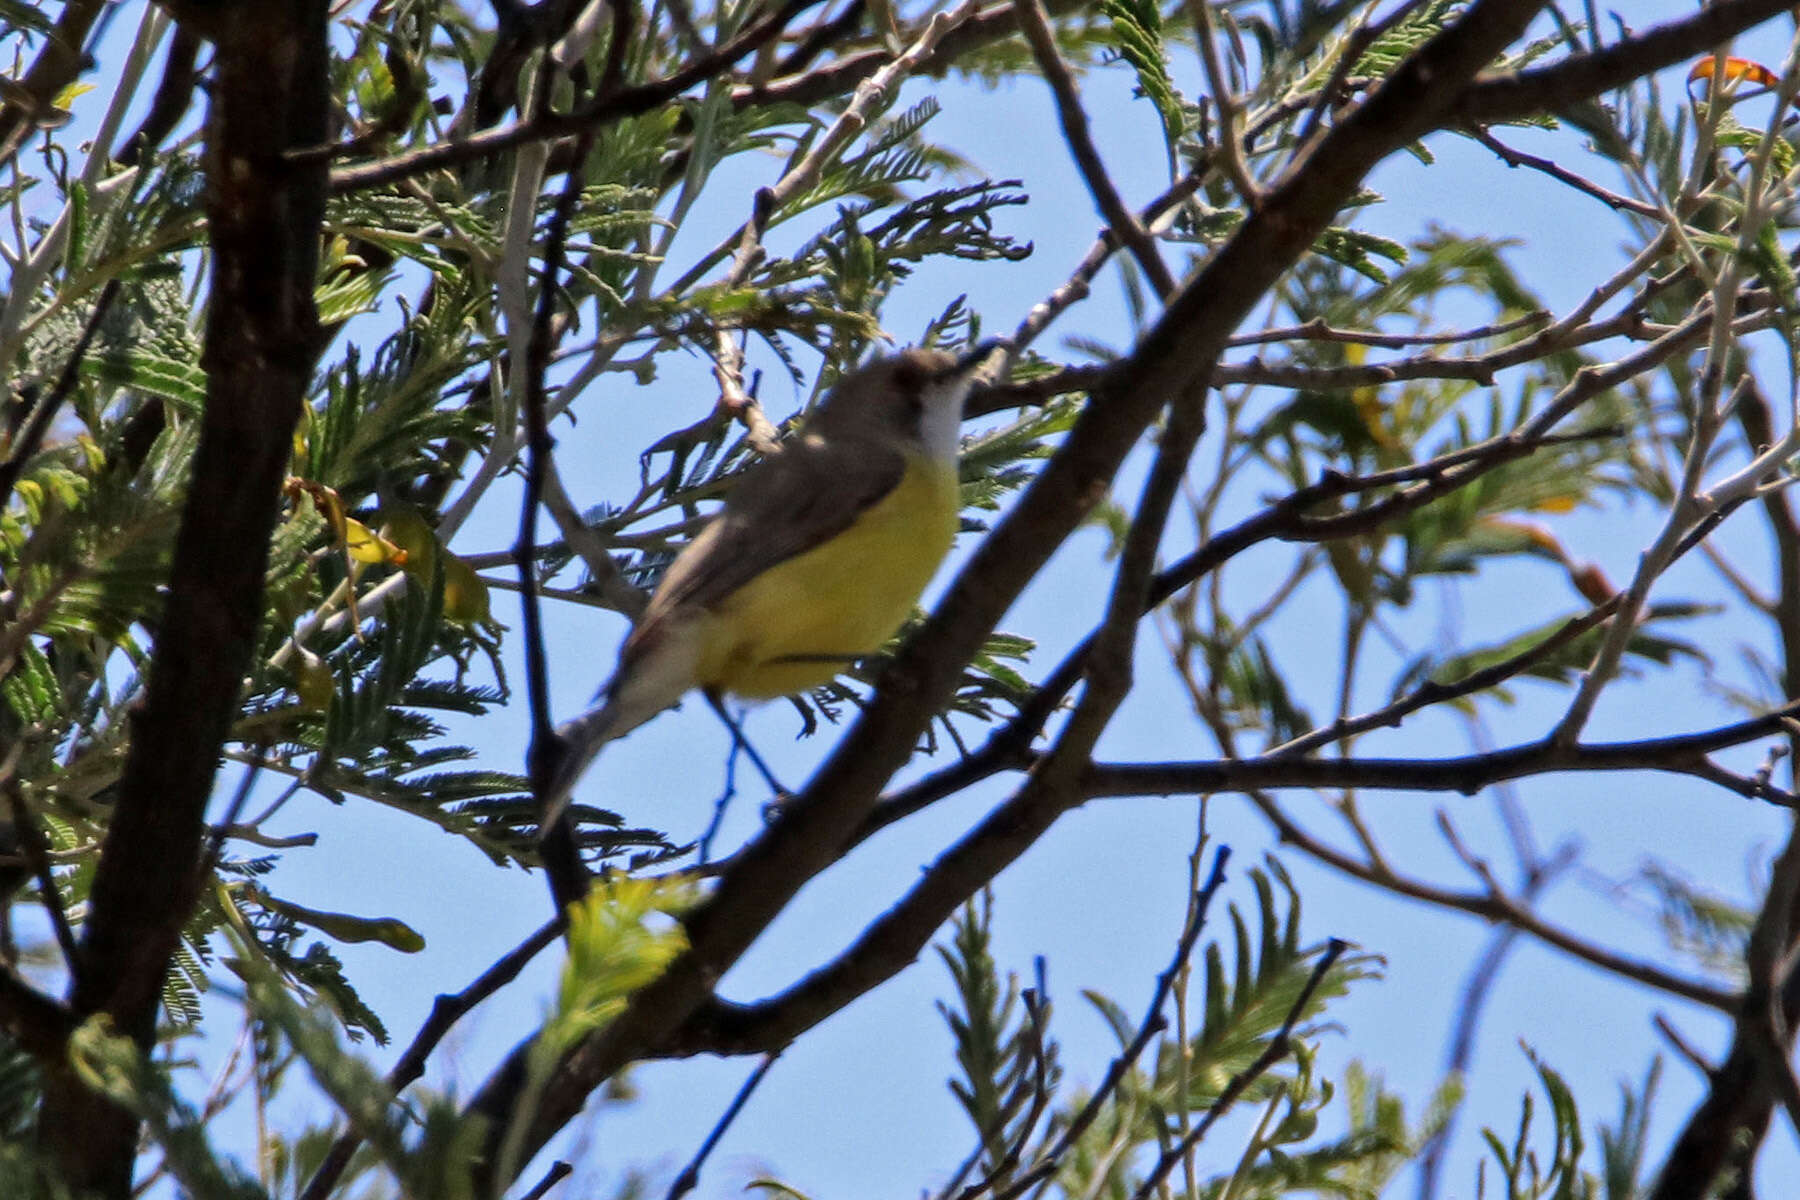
[1735, 1109]
[624, 23]
[1725, 1129]
[822, 37]
[36, 852]
[1584, 76]
[567, 875]
[271, 94]
[1682, 1046]
[35, 1022]
[1684, 754]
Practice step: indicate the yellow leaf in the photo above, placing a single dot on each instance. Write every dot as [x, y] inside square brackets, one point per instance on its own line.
[366, 546]
[346, 927]
[465, 594]
[1732, 71]
[1530, 531]
[75, 91]
[1591, 582]
[407, 529]
[313, 682]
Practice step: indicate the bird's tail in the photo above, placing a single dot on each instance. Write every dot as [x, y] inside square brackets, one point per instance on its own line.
[581, 742]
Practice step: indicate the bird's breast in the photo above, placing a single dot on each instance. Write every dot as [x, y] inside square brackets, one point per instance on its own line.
[804, 620]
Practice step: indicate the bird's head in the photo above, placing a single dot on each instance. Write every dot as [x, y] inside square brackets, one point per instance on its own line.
[916, 395]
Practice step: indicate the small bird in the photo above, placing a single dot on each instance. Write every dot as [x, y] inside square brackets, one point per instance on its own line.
[816, 558]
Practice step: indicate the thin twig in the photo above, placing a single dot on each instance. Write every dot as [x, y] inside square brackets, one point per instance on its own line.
[587, 118]
[1153, 1023]
[871, 97]
[1154, 216]
[1682, 1046]
[1276, 1050]
[1230, 142]
[559, 1171]
[37, 857]
[1518, 158]
[1319, 330]
[1360, 39]
[446, 1010]
[567, 876]
[1682, 754]
[1036, 1032]
[690, 1174]
[1497, 908]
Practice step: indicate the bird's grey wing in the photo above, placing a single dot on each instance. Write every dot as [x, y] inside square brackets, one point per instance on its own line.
[782, 508]
[807, 495]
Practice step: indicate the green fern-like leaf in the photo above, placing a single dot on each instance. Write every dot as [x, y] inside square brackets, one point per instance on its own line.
[1137, 33]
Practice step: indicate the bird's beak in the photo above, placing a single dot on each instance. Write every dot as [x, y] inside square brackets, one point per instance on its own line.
[976, 355]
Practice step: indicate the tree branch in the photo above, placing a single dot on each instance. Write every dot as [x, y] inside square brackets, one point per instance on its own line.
[271, 94]
[1584, 76]
[1468, 774]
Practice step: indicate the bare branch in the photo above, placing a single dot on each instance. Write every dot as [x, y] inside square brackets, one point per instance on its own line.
[1684, 754]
